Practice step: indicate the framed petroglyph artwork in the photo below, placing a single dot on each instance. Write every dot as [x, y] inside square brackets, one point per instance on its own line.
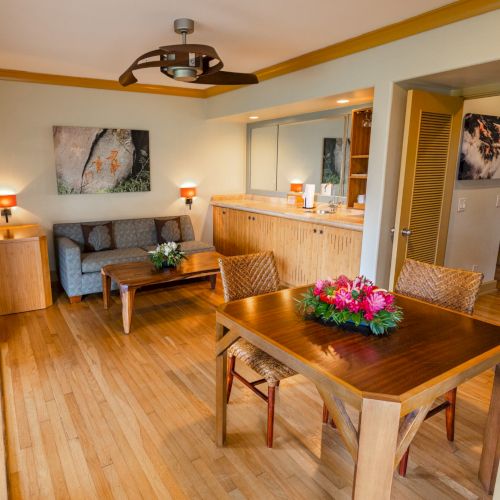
[101, 160]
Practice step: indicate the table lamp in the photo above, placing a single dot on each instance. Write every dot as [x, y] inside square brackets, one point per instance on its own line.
[7, 201]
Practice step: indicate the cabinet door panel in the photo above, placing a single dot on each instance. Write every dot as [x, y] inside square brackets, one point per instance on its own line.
[342, 252]
[304, 251]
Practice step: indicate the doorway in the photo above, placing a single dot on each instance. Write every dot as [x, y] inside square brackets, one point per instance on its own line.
[459, 225]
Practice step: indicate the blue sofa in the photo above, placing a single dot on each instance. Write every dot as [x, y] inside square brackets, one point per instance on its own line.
[80, 272]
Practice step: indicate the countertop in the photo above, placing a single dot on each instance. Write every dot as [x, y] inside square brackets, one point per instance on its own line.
[345, 218]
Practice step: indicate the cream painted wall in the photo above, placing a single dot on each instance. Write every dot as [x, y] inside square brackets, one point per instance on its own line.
[461, 44]
[184, 146]
[474, 235]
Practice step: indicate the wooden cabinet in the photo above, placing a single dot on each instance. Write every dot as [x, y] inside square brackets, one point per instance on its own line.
[24, 270]
[304, 251]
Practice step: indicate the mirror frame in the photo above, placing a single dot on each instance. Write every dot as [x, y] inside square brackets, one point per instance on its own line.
[337, 112]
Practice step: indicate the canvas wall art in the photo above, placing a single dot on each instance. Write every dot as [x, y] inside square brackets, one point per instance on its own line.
[332, 160]
[480, 150]
[101, 160]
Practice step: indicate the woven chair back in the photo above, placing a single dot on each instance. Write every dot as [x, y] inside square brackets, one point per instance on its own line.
[248, 275]
[451, 288]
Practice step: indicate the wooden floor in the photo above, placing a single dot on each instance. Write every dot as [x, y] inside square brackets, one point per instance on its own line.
[91, 413]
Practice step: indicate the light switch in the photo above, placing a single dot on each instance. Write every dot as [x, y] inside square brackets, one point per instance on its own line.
[461, 204]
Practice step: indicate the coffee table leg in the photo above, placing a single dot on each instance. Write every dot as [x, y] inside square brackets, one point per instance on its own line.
[213, 280]
[491, 446]
[106, 289]
[127, 295]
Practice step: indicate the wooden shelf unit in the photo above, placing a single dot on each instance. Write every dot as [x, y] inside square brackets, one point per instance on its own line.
[358, 161]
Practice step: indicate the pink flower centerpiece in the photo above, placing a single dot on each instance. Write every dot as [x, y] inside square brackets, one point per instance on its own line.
[357, 301]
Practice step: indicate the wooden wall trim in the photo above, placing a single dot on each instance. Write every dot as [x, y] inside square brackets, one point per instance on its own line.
[447, 14]
[96, 83]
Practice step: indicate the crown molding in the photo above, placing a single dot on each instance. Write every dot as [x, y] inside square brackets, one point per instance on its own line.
[448, 14]
[96, 83]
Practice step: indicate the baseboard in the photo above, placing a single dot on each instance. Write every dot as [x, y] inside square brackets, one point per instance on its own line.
[488, 287]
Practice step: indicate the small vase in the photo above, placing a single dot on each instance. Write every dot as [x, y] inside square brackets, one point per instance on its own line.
[363, 327]
[166, 265]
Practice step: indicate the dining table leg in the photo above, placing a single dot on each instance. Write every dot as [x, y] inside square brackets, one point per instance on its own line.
[220, 389]
[488, 467]
[378, 439]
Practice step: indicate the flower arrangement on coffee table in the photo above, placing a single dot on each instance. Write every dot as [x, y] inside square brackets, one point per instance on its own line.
[355, 302]
[166, 255]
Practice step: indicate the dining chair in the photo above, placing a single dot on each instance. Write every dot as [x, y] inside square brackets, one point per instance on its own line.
[454, 289]
[451, 288]
[245, 276]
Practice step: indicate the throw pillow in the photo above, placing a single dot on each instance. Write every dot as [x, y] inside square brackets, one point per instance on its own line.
[97, 237]
[168, 230]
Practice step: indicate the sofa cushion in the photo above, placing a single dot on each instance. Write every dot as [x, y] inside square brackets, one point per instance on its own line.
[93, 262]
[125, 233]
[98, 237]
[187, 231]
[168, 230]
[145, 232]
[188, 247]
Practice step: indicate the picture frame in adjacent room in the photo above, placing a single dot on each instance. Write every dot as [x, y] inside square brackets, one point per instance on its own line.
[92, 160]
[480, 148]
[332, 160]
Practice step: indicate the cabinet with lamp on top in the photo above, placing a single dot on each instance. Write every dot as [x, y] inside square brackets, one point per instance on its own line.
[358, 161]
[24, 264]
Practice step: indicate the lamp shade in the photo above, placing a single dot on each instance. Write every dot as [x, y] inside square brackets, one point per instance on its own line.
[296, 187]
[188, 192]
[8, 200]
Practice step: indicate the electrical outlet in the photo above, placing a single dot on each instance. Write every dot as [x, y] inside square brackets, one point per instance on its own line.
[475, 267]
[462, 203]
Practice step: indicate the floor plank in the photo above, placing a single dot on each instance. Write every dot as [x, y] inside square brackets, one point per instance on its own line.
[92, 413]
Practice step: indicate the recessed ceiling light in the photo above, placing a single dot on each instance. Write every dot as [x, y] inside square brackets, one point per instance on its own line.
[342, 101]
[253, 117]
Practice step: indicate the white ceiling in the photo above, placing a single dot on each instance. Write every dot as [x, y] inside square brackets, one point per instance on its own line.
[100, 38]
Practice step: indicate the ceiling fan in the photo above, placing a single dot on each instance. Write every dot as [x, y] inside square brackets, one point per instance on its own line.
[187, 62]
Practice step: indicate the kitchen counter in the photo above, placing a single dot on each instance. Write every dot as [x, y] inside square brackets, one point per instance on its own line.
[345, 218]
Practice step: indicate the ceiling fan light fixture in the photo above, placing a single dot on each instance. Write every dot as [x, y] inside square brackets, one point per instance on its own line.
[185, 74]
[185, 62]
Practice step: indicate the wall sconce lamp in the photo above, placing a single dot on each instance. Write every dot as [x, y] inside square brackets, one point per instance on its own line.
[7, 201]
[189, 193]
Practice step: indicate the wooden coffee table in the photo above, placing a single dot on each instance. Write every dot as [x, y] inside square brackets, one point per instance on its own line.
[133, 275]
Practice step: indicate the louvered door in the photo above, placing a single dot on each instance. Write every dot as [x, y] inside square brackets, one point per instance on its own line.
[429, 159]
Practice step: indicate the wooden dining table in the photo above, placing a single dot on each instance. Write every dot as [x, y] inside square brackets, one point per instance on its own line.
[392, 379]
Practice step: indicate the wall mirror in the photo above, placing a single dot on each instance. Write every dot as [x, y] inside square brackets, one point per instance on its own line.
[310, 149]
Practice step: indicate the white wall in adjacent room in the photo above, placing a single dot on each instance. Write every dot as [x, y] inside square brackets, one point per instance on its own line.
[184, 147]
[474, 234]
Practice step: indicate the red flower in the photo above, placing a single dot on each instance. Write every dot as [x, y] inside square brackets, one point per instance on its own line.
[329, 299]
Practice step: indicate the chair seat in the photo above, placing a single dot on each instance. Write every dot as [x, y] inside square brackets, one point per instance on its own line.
[259, 361]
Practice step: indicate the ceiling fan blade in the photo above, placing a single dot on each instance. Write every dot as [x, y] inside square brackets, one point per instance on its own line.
[228, 78]
[127, 77]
